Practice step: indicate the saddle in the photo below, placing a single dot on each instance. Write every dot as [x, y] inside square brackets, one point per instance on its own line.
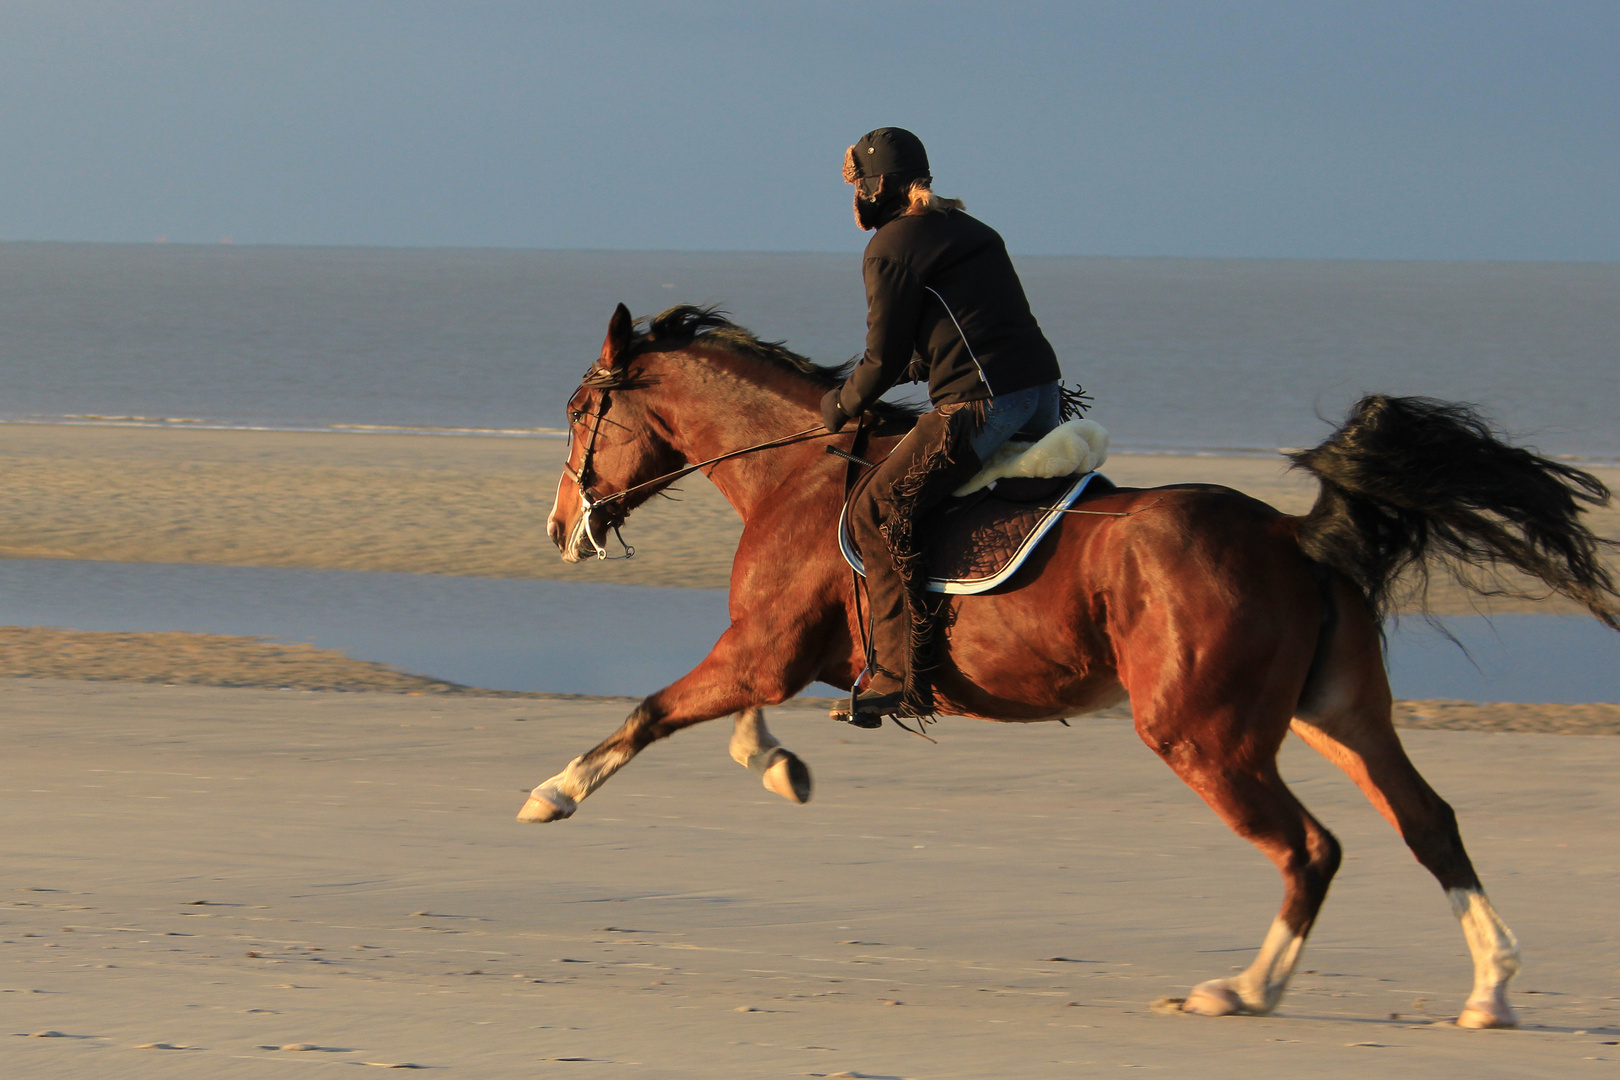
[978, 541]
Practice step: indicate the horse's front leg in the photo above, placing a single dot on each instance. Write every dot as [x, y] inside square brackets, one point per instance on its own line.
[756, 749]
[560, 796]
[737, 676]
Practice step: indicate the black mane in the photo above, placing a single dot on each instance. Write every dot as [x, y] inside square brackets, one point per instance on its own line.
[685, 323]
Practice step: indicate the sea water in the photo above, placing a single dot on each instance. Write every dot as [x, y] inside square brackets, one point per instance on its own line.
[1214, 355]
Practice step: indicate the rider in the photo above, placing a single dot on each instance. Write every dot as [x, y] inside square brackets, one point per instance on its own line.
[943, 303]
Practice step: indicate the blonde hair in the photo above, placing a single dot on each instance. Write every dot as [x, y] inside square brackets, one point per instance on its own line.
[920, 198]
[924, 201]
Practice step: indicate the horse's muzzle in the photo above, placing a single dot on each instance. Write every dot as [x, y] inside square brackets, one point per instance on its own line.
[567, 536]
[569, 539]
[592, 520]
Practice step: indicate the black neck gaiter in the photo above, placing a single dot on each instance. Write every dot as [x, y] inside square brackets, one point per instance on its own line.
[874, 213]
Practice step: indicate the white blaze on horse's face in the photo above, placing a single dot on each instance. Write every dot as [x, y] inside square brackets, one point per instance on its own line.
[568, 524]
[565, 522]
[564, 534]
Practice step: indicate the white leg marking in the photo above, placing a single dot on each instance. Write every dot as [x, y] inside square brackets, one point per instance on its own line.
[752, 744]
[560, 796]
[756, 749]
[1258, 989]
[1496, 960]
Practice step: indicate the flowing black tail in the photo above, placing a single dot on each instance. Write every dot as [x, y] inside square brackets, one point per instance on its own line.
[1408, 482]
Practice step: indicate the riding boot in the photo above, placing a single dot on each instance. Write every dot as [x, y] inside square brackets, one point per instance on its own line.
[928, 464]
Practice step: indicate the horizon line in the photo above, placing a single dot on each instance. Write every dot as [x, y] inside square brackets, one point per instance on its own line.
[233, 243]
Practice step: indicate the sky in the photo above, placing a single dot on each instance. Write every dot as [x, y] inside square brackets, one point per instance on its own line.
[1366, 129]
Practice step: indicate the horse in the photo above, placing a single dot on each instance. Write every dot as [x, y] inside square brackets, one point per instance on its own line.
[1224, 622]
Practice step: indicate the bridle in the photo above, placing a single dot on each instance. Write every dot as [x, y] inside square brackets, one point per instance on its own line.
[589, 501]
[607, 380]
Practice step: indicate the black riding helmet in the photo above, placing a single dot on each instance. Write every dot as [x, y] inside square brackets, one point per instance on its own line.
[888, 152]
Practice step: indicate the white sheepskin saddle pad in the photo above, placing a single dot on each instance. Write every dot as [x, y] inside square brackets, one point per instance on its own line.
[1079, 446]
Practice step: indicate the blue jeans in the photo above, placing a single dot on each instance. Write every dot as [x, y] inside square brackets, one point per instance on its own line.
[1035, 411]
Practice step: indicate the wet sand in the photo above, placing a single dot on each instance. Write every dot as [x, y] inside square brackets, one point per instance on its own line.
[210, 882]
[181, 659]
[422, 504]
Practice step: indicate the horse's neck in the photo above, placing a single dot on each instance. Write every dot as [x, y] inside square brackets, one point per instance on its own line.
[725, 412]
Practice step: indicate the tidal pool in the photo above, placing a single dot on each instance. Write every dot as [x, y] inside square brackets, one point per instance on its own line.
[582, 638]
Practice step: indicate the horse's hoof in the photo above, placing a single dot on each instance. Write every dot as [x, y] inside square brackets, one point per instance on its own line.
[546, 806]
[1214, 998]
[1488, 1014]
[790, 778]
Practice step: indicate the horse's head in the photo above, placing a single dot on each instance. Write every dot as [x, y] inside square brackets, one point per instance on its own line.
[614, 444]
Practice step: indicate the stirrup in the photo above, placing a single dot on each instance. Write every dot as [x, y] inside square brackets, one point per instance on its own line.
[866, 720]
[870, 708]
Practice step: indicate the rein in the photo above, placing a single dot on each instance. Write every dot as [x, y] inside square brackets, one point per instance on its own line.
[591, 502]
[786, 440]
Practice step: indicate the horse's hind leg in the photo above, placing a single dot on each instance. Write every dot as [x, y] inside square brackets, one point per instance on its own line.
[1373, 758]
[757, 750]
[1345, 716]
[1258, 806]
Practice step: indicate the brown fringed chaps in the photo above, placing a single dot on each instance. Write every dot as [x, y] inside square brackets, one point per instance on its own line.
[934, 459]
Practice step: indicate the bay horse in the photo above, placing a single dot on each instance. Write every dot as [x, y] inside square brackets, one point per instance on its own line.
[1224, 622]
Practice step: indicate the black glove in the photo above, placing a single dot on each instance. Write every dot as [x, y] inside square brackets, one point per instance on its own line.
[832, 413]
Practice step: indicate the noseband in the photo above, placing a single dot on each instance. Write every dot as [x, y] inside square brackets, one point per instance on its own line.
[608, 380]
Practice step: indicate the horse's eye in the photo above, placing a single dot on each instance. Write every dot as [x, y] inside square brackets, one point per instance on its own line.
[575, 416]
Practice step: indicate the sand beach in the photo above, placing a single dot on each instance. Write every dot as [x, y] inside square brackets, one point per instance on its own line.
[219, 882]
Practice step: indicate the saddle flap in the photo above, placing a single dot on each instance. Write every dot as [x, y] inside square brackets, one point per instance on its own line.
[979, 541]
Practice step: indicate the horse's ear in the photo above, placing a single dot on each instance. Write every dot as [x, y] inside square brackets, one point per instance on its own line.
[621, 328]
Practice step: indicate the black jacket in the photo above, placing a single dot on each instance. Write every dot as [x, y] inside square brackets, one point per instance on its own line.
[941, 285]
